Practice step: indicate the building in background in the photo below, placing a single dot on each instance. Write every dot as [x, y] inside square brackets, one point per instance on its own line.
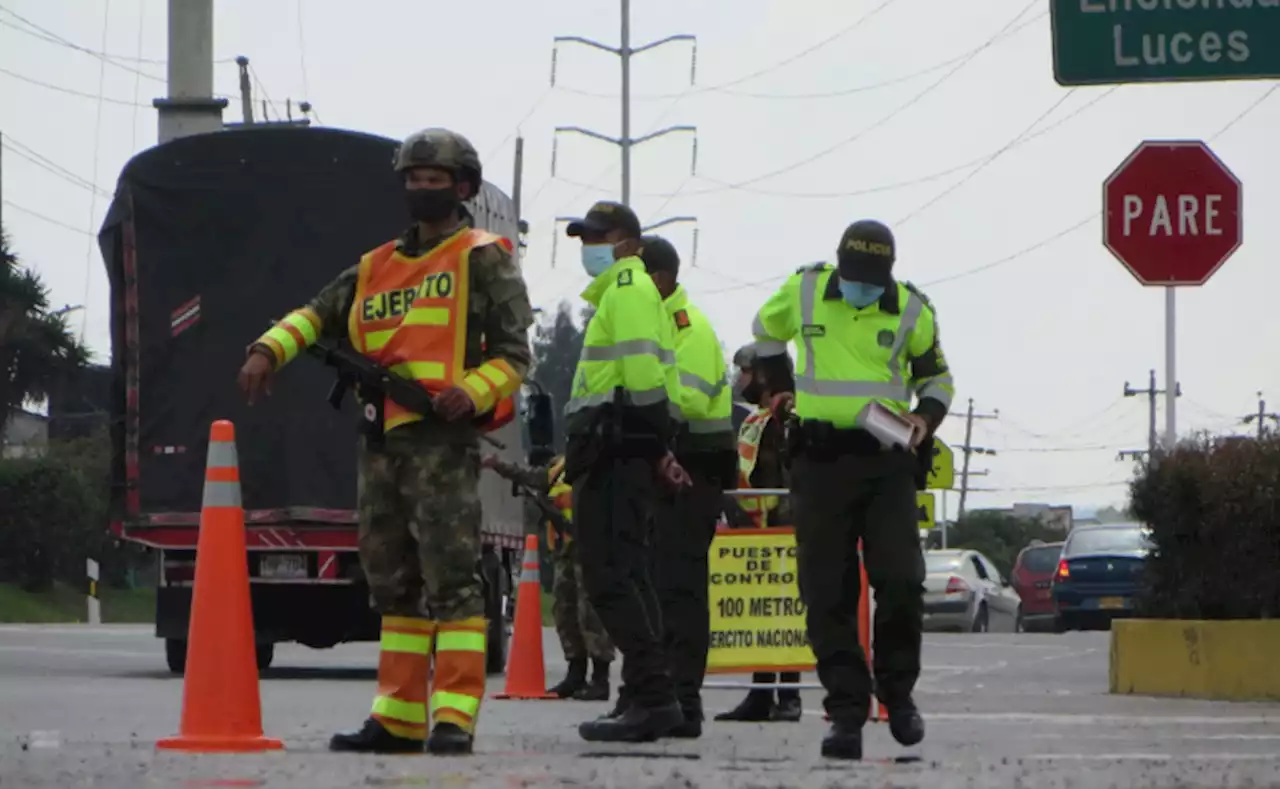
[1058, 517]
[25, 435]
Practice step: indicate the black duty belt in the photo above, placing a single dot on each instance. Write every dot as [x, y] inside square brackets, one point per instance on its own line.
[822, 439]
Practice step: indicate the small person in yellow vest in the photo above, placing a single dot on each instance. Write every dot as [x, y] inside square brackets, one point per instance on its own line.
[581, 633]
[761, 464]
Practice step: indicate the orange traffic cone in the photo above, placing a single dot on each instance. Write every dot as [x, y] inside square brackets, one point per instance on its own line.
[526, 673]
[221, 710]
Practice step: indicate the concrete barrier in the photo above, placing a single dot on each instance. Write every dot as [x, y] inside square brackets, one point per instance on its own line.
[1235, 660]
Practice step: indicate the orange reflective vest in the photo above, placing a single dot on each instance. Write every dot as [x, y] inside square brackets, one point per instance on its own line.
[410, 316]
[749, 436]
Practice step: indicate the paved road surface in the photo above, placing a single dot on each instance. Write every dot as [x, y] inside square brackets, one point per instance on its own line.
[83, 706]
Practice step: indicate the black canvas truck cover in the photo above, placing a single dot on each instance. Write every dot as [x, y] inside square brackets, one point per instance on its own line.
[209, 240]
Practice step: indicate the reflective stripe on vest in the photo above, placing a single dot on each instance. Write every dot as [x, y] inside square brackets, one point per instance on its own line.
[749, 436]
[843, 366]
[410, 316]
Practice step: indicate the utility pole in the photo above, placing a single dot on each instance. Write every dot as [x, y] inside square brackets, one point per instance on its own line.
[190, 107]
[970, 450]
[1261, 417]
[517, 189]
[1153, 437]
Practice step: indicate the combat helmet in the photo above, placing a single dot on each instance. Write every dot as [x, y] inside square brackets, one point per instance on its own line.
[444, 149]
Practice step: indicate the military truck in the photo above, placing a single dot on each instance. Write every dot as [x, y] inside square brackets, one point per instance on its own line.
[209, 239]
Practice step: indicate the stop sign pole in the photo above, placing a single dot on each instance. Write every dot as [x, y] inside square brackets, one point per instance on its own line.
[1172, 215]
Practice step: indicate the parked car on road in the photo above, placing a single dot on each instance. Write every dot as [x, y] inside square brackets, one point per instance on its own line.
[1098, 575]
[1032, 578]
[963, 591]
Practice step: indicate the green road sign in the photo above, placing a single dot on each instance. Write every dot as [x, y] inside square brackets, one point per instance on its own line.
[942, 476]
[1098, 42]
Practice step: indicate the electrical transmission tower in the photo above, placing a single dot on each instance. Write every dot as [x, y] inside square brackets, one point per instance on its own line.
[624, 140]
[1261, 417]
[969, 450]
[1153, 438]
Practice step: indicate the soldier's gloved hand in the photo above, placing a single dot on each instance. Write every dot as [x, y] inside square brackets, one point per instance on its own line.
[453, 404]
[255, 375]
[672, 473]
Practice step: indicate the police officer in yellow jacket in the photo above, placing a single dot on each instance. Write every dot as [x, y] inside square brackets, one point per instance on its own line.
[864, 342]
[620, 421]
[687, 518]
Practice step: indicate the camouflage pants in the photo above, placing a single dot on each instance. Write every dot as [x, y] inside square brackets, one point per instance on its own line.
[419, 534]
[579, 628]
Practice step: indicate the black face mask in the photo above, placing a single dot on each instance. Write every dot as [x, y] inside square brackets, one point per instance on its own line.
[432, 205]
[752, 392]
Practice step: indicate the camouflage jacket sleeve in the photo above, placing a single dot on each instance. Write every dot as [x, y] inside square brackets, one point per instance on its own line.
[323, 316]
[534, 478]
[498, 353]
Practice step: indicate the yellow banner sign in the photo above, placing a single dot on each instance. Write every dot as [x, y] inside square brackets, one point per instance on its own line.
[757, 617]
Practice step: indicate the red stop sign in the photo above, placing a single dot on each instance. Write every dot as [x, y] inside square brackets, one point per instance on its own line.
[1172, 213]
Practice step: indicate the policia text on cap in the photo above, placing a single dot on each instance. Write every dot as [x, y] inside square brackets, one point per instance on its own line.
[862, 339]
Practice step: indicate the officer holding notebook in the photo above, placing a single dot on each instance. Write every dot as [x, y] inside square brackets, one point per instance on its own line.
[867, 348]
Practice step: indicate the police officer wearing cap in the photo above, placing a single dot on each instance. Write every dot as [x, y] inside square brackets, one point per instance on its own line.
[865, 342]
[705, 445]
[620, 422]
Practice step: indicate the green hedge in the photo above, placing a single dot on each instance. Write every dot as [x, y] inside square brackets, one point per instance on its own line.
[1213, 505]
[50, 522]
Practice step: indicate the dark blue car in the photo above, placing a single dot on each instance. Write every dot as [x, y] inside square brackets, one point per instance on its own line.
[1098, 575]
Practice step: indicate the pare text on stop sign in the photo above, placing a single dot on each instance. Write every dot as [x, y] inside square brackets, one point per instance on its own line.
[1190, 219]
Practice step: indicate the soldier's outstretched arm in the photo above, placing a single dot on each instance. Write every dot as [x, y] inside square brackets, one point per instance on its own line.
[774, 326]
[323, 316]
[535, 478]
[930, 374]
[507, 355]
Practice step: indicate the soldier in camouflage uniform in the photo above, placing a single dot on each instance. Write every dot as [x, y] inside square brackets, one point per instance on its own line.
[581, 633]
[404, 306]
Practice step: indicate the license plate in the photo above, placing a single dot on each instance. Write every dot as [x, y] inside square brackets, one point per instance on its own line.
[283, 565]
[1111, 603]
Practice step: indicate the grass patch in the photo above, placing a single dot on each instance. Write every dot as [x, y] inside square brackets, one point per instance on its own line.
[66, 604]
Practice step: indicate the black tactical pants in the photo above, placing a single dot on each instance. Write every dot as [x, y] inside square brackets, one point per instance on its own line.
[835, 502]
[612, 508]
[686, 524]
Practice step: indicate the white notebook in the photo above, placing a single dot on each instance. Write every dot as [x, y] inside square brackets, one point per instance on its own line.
[887, 426]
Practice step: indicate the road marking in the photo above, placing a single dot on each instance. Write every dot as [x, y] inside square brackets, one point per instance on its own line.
[1155, 757]
[75, 651]
[1116, 735]
[1096, 720]
[81, 630]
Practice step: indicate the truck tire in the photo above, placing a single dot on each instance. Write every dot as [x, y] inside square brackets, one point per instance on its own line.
[491, 572]
[175, 654]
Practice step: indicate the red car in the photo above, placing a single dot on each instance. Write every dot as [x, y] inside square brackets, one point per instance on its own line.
[1032, 580]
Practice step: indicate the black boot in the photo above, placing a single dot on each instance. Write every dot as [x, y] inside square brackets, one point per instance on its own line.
[638, 723]
[788, 708]
[575, 680]
[691, 729]
[755, 708]
[843, 741]
[449, 739]
[905, 723]
[598, 688]
[373, 738]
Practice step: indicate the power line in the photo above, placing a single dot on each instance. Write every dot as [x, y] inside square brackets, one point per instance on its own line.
[985, 163]
[302, 54]
[722, 86]
[53, 38]
[69, 91]
[26, 152]
[886, 118]
[49, 219]
[1082, 448]
[97, 148]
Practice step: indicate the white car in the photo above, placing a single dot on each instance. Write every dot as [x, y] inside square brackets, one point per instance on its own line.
[964, 592]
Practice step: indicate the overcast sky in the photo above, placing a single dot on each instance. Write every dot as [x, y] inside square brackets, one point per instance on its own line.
[938, 117]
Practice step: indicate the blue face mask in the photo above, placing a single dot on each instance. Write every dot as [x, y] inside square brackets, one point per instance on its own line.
[860, 294]
[597, 258]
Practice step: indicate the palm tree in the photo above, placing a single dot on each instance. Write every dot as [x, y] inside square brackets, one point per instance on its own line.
[36, 347]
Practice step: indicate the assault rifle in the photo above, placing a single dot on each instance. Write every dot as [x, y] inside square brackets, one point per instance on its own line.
[557, 518]
[374, 382]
